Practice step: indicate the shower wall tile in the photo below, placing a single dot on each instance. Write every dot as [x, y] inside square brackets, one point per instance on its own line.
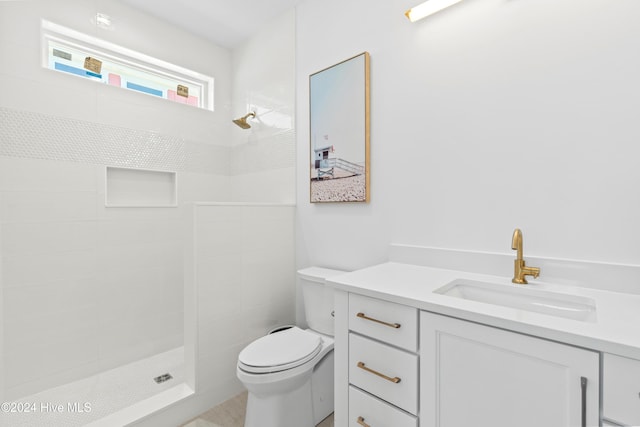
[216, 328]
[263, 233]
[19, 94]
[268, 316]
[222, 301]
[137, 231]
[45, 345]
[135, 214]
[220, 237]
[138, 256]
[64, 256]
[268, 152]
[241, 268]
[264, 82]
[259, 289]
[140, 111]
[20, 57]
[120, 342]
[142, 338]
[29, 367]
[18, 174]
[46, 299]
[265, 186]
[194, 187]
[26, 270]
[217, 212]
[135, 294]
[48, 206]
[45, 331]
[24, 238]
[218, 370]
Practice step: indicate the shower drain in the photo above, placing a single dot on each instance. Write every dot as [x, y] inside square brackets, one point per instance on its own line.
[162, 378]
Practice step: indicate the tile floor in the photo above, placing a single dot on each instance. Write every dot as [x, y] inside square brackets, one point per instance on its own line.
[231, 414]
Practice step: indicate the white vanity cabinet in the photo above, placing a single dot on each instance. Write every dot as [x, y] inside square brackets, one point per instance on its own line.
[620, 390]
[487, 356]
[472, 374]
[382, 363]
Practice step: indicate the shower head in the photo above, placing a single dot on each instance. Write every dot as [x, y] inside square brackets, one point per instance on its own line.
[242, 121]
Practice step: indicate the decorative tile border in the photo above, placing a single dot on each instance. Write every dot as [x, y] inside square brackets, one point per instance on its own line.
[38, 136]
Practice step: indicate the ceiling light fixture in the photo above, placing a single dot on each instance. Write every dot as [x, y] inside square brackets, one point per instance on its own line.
[428, 8]
[102, 20]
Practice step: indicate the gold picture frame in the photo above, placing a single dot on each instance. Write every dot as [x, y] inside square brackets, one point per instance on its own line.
[339, 132]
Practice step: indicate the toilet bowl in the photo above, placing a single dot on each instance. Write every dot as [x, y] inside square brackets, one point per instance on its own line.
[289, 373]
[281, 388]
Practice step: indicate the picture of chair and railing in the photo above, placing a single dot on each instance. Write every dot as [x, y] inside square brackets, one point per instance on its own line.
[339, 125]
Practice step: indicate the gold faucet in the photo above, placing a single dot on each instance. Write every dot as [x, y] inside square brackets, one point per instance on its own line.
[520, 270]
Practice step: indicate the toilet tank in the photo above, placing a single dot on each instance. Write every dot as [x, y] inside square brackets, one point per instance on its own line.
[318, 298]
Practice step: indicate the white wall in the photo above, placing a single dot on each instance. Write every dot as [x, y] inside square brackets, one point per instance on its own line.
[86, 287]
[487, 116]
[263, 157]
[239, 285]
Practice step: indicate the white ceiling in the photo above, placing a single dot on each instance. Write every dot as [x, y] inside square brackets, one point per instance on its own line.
[224, 22]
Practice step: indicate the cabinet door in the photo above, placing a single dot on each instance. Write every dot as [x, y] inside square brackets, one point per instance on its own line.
[620, 389]
[476, 375]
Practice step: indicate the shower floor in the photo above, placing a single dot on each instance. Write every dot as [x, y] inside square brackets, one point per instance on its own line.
[103, 394]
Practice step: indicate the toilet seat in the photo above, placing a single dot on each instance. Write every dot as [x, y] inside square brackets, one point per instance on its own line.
[280, 351]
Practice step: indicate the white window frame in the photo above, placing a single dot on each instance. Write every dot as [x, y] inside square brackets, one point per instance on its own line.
[122, 56]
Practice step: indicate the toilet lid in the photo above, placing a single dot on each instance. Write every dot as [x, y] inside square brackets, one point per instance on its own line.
[280, 351]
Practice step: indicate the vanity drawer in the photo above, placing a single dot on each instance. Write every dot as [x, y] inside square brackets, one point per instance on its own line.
[392, 323]
[621, 389]
[373, 412]
[386, 372]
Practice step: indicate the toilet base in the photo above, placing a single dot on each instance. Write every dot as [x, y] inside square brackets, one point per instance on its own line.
[290, 409]
[322, 389]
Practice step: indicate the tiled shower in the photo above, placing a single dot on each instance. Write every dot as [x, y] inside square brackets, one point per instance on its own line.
[85, 287]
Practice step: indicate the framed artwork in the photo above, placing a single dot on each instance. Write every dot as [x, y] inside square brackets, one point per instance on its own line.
[339, 131]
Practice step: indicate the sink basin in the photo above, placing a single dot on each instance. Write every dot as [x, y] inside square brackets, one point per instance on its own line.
[522, 298]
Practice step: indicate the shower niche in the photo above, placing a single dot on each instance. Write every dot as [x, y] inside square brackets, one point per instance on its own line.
[134, 188]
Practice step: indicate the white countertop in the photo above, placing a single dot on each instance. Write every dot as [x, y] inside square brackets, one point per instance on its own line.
[616, 329]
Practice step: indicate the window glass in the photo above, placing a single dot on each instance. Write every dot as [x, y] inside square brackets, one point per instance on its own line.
[81, 55]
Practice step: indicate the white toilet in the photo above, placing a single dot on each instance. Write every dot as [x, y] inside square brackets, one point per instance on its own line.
[289, 374]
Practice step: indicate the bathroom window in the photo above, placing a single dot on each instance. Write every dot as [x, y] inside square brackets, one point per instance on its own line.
[78, 54]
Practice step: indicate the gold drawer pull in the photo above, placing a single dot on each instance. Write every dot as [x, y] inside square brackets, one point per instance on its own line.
[362, 423]
[394, 380]
[391, 325]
